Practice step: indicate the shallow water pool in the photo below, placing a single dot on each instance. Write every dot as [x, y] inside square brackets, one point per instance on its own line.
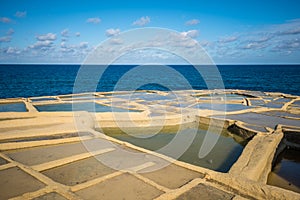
[261, 119]
[286, 173]
[13, 107]
[227, 97]
[223, 155]
[87, 106]
[221, 107]
[42, 99]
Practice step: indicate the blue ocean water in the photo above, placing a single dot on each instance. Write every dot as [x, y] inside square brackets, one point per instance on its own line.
[40, 80]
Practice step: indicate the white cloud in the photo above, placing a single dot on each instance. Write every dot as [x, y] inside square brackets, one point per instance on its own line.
[192, 22]
[180, 40]
[149, 56]
[12, 50]
[142, 21]
[228, 39]
[65, 33]
[204, 43]
[279, 38]
[21, 14]
[5, 39]
[112, 32]
[190, 33]
[254, 45]
[48, 36]
[95, 20]
[5, 20]
[270, 41]
[63, 44]
[83, 45]
[289, 45]
[292, 31]
[41, 44]
[10, 31]
[116, 41]
[260, 39]
[66, 48]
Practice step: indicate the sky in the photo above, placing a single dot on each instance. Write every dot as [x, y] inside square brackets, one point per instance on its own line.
[231, 31]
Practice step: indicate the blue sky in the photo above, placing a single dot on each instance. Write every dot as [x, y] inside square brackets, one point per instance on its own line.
[231, 31]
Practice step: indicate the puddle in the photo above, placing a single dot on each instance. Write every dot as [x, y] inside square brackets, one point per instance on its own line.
[296, 103]
[254, 93]
[87, 106]
[144, 96]
[257, 102]
[229, 97]
[281, 114]
[273, 105]
[183, 104]
[278, 103]
[221, 107]
[286, 173]
[83, 96]
[256, 128]
[223, 155]
[81, 99]
[293, 106]
[13, 107]
[42, 99]
[282, 100]
[262, 120]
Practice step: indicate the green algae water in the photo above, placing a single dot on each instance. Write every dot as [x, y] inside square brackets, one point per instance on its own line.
[223, 155]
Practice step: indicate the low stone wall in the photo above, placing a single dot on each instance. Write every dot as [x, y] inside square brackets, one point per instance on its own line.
[255, 163]
[246, 179]
[222, 123]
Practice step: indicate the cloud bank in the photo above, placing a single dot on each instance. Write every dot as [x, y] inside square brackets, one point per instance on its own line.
[142, 21]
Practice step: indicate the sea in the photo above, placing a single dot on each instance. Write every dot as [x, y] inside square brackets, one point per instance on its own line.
[45, 80]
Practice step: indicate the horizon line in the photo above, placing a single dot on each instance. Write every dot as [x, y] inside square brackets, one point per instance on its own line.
[149, 64]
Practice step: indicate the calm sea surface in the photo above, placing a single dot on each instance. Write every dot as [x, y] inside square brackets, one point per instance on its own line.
[40, 80]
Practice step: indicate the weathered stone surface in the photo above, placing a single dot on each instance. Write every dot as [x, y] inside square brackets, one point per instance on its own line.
[50, 196]
[256, 160]
[15, 182]
[2, 161]
[124, 186]
[205, 192]
[78, 172]
[176, 176]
